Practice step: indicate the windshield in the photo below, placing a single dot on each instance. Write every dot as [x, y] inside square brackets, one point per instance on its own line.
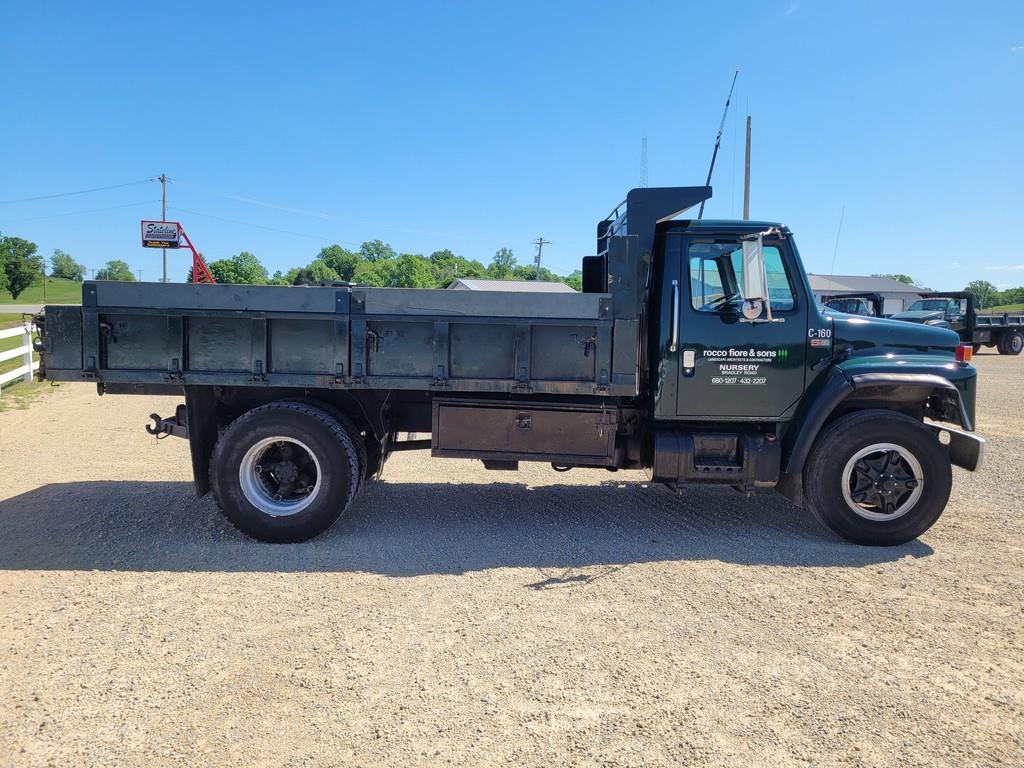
[716, 277]
[929, 305]
[850, 306]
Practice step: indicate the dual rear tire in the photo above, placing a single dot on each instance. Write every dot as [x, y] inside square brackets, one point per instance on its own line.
[286, 471]
[1011, 343]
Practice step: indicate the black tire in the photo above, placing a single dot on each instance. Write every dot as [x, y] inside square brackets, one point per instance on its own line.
[323, 461]
[346, 422]
[836, 447]
[1011, 343]
[976, 348]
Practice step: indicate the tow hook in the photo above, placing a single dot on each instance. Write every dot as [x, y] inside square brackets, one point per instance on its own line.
[176, 425]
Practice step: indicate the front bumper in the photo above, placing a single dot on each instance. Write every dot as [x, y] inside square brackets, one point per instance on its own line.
[966, 449]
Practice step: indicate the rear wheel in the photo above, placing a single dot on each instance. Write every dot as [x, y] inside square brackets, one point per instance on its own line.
[1011, 343]
[284, 472]
[358, 438]
[878, 478]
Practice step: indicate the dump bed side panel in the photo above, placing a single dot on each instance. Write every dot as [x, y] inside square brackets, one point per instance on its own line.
[338, 338]
[489, 341]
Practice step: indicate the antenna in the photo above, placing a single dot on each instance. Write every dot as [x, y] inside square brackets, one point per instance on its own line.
[835, 250]
[746, 176]
[718, 139]
[643, 162]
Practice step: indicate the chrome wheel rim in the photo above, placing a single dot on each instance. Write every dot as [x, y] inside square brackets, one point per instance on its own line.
[882, 482]
[1016, 343]
[280, 476]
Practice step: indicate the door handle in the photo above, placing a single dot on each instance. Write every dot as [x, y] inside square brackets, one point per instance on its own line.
[674, 335]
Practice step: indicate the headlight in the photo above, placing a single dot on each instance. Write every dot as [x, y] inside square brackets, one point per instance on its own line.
[933, 322]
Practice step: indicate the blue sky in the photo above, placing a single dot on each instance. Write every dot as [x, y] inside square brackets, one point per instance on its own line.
[474, 125]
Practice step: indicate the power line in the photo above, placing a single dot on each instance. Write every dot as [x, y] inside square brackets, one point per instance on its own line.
[260, 226]
[78, 192]
[326, 216]
[76, 213]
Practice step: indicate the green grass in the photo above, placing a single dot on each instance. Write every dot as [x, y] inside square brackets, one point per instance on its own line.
[9, 319]
[18, 396]
[58, 291]
[1005, 308]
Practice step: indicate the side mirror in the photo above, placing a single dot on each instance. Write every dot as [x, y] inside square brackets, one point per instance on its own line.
[755, 286]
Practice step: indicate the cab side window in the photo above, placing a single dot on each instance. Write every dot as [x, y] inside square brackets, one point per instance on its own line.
[716, 277]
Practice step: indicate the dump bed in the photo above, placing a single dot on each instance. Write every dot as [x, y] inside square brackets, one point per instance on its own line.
[153, 336]
[1000, 320]
[139, 334]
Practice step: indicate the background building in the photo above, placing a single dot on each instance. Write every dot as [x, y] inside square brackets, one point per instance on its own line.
[526, 286]
[898, 296]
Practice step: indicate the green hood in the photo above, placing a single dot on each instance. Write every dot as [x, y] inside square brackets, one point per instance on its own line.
[877, 335]
[918, 315]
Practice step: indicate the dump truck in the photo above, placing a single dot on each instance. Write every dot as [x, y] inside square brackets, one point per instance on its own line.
[956, 310]
[696, 351]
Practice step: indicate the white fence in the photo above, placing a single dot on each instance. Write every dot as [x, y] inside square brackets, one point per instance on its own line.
[28, 365]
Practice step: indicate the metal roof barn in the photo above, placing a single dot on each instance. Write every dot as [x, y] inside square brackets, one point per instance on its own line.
[522, 286]
[898, 296]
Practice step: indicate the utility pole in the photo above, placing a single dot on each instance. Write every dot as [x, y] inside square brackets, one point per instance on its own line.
[746, 177]
[140, 274]
[44, 280]
[163, 213]
[643, 162]
[93, 271]
[540, 242]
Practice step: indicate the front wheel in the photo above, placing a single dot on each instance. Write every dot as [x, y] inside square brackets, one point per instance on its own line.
[878, 477]
[285, 471]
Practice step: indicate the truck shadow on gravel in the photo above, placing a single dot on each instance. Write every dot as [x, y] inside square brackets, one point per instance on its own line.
[411, 529]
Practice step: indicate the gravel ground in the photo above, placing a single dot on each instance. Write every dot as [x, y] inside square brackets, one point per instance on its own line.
[464, 617]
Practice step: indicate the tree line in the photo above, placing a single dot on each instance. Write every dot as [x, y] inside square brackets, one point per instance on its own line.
[985, 294]
[21, 266]
[378, 264]
[375, 263]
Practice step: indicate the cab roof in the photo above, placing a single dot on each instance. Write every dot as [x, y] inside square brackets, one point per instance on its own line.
[738, 226]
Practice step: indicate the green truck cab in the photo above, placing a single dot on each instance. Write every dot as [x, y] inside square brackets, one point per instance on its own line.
[696, 352]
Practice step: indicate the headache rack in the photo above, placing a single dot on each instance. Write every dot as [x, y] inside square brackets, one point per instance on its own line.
[636, 217]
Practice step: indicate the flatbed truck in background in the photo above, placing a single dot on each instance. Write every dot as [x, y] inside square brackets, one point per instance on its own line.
[696, 351]
[956, 310]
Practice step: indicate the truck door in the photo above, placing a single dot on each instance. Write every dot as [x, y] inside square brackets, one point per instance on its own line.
[727, 365]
